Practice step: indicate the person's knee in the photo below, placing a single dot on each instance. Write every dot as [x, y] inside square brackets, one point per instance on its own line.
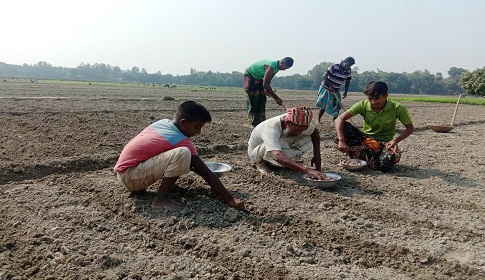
[185, 152]
[253, 157]
[175, 156]
[184, 155]
[179, 162]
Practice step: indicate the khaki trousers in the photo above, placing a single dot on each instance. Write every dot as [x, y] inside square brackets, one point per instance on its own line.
[173, 163]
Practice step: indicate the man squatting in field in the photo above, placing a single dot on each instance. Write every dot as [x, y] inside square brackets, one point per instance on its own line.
[282, 140]
[329, 99]
[377, 143]
[164, 151]
[257, 80]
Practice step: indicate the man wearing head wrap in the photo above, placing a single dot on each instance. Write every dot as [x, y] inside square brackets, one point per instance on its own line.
[282, 140]
[329, 99]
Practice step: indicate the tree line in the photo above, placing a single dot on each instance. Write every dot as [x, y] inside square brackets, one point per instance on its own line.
[417, 82]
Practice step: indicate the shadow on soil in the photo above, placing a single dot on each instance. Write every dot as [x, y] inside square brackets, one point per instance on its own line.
[204, 209]
[347, 186]
[417, 173]
[65, 165]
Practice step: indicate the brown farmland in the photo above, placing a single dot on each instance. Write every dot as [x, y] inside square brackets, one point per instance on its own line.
[64, 216]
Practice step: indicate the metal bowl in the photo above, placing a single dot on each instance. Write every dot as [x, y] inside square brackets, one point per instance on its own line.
[220, 169]
[322, 183]
[353, 164]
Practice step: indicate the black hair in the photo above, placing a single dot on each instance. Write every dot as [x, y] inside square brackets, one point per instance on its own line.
[350, 60]
[288, 61]
[375, 89]
[192, 111]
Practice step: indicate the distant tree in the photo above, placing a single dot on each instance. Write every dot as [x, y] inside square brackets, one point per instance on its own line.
[474, 82]
[455, 72]
[368, 76]
[452, 86]
[423, 82]
[316, 73]
[295, 81]
[116, 72]
[397, 82]
[452, 83]
[303, 83]
[135, 70]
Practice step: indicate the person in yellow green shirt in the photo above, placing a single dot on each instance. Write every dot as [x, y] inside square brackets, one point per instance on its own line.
[377, 142]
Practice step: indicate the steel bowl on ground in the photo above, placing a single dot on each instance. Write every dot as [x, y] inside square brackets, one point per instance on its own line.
[353, 164]
[323, 183]
[440, 128]
[219, 168]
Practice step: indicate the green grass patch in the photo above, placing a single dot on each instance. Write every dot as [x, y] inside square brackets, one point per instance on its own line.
[120, 84]
[467, 100]
[470, 100]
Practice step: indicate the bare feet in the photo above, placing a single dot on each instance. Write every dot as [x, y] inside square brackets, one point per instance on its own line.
[263, 167]
[167, 204]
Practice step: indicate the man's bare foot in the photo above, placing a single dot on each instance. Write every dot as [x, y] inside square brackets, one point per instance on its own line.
[167, 204]
[263, 168]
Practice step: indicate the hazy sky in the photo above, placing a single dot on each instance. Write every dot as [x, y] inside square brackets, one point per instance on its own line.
[228, 35]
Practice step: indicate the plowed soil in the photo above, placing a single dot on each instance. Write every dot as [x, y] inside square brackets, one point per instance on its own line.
[64, 216]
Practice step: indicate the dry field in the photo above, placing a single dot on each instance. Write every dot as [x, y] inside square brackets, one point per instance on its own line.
[64, 216]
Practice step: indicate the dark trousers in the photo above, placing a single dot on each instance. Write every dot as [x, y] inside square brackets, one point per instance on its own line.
[380, 159]
[256, 100]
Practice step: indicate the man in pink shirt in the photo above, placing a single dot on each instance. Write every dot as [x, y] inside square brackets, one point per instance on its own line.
[164, 151]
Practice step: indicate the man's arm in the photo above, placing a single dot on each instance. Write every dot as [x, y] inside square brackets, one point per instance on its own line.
[339, 127]
[317, 159]
[347, 84]
[408, 131]
[287, 162]
[268, 76]
[216, 185]
[328, 82]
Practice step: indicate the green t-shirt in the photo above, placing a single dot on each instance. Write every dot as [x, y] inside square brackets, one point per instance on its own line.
[257, 69]
[382, 125]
